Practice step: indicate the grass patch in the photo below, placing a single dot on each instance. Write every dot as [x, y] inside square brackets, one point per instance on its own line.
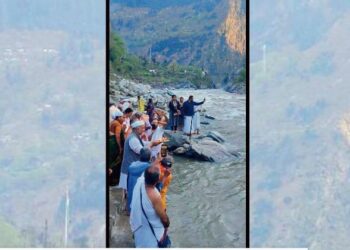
[9, 236]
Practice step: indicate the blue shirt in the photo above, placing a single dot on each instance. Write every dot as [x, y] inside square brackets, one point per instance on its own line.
[188, 107]
[135, 170]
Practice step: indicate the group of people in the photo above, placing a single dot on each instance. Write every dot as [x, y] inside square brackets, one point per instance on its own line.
[143, 174]
[184, 116]
[150, 108]
[138, 165]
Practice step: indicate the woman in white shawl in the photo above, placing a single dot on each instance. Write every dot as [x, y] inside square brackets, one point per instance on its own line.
[196, 123]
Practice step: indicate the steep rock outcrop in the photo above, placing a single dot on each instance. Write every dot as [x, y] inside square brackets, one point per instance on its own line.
[234, 27]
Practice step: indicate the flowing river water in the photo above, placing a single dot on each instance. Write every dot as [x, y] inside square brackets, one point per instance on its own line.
[206, 201]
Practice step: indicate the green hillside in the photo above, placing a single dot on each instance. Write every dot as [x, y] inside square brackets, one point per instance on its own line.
[37, 165]
[148, 71]
[9, 237]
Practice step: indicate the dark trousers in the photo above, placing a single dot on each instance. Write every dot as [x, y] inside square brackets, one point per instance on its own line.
[173, 121]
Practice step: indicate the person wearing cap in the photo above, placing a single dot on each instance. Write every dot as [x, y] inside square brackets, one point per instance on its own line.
[117, 127]
[165, 177]
[136, 169]
[140, 116]
[132, 148]
[116, 143]
[112, 109]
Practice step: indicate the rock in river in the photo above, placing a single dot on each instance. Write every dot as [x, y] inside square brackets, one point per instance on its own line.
[176, 140]
[209, 150]
[210, 117]
[216, 136]
[205, 148]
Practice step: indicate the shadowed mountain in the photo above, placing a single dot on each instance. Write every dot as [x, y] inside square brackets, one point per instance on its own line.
[299, 148]
[52, 82]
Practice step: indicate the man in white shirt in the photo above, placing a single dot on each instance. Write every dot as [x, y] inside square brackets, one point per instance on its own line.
[132, 148]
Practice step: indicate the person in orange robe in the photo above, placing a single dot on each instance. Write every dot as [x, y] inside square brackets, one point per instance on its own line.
[165, 178]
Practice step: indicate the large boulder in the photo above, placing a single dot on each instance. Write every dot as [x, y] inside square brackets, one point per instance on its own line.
[208, 150]
[204, 148]
[180, 151]
[176, 140]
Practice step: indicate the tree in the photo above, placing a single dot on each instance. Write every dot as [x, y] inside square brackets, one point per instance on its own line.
[116, 50]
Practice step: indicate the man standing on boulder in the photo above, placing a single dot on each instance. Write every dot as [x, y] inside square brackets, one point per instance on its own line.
[174, 111]
[188, 110]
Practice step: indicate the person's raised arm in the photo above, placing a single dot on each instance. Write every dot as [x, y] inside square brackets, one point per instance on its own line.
[157, 142]
[136, 146]
[199, 103]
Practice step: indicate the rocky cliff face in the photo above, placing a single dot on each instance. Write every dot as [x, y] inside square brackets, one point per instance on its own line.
[234, 31]
[234, 27]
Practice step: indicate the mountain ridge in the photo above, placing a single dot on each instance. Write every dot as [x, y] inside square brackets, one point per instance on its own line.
[188, 34]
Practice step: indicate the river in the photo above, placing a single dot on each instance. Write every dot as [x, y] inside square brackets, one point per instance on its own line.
[206, 201]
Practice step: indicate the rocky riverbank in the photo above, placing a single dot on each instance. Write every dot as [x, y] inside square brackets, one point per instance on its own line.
[210, 147]
[122, 88]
